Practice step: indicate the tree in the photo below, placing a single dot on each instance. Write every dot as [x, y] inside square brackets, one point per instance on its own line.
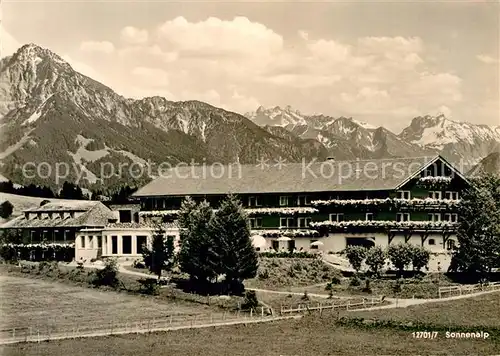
[478, 232]
[400, 256]
[419, 257]
[231, 232]
[197, 256]
[355, 255]
[161, 255]
[375, 259]
[71, 191]
[6, 209]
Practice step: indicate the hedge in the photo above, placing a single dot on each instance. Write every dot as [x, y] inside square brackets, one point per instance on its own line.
[288, 254]
[38, 252]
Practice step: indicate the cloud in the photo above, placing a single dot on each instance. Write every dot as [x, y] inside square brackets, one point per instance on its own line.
[133, 35]
[239, 64]
[486, 59]
[144, 53]
[219, 37]
[152, 77]
[97, 46]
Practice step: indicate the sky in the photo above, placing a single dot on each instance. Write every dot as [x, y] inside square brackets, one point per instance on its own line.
[377, 61]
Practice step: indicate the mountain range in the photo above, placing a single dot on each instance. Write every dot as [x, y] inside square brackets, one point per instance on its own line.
[462, 143]
[50, 114]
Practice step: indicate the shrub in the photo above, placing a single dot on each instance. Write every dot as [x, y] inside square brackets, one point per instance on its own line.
[336, 280]
[367, 288]
[250, 301]
[108, 276]
[355, 255]
[139, 264]
[264, 274]
[355, 281]
[400, 256]
[419, 257]
[149, 286]
[375, 259]
[6, 209]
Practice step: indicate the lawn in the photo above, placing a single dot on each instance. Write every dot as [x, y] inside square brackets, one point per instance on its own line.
[38, 304]
[309, 336]
[483, 310]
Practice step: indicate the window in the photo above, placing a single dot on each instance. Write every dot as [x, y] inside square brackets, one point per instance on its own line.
[255, 222]
[337, 217]
[82, 241]
[435, 195]
[313, 247]
[91, 242]
[287, 222]
[451, 195]
[126, 244]
[303, 200]
[402, 217]
[451, 217]
[434, 217]
[432, 242]
[304, 222]
[125, 216]
[254, 201]
[275, 245]
[369, 217]
[283, 201]
[450, 244]
[404, 194]
[99, 241]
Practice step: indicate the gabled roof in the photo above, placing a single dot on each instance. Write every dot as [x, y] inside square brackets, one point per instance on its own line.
[96, 214]
[77, 205]
[311, 176]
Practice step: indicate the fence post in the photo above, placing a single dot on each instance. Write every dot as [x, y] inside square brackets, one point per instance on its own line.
[14, 333]
[348, 305]
[211, 318]
[320, 309]
[251, 310]
[38, 331]
[262, 312]
[224, 315]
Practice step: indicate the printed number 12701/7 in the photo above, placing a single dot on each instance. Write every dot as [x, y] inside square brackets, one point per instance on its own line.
[424, 334]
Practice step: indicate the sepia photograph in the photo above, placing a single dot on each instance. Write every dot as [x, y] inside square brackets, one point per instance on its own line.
[261, 178]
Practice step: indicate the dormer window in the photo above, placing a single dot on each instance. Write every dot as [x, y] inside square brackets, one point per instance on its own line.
[404, 194]
[27, 216]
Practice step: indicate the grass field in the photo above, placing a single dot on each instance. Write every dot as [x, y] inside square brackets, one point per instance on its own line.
[483, 310]
[37, 303]
[309, 336]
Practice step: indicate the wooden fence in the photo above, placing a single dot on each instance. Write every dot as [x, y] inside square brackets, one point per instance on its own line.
[338, 305]
[452, 291]
[93, 329]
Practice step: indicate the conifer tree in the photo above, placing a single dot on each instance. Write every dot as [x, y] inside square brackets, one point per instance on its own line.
[161, 255]
[197, 256]
[238, 259]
